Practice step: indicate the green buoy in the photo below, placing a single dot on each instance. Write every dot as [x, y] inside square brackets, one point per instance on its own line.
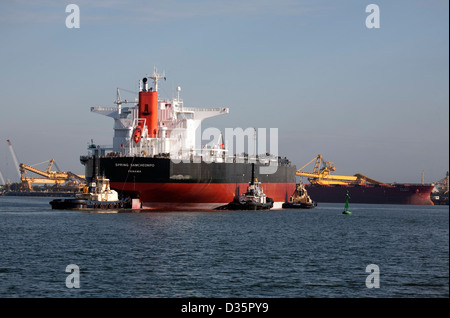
[346, 211]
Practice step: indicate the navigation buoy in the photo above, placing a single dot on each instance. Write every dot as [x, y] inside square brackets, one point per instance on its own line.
[346, 211]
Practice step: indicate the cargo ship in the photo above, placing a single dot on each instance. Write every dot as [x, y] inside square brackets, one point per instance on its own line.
[416, 194]
[327, 187]
[158, 157]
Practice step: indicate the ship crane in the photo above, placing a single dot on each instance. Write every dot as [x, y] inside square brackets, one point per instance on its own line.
[322, 174]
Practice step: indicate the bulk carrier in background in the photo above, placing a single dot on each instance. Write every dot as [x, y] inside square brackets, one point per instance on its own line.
[327, 187]
[156, 157]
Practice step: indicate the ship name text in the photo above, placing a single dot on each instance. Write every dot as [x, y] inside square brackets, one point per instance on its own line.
[134, 165]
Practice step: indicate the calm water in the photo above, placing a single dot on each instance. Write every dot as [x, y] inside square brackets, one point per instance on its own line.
[288, 253]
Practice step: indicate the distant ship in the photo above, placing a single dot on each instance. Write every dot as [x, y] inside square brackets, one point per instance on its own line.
[155, 157]
[326, 187]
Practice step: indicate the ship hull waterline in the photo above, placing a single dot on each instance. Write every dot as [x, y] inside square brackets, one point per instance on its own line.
[196, 196]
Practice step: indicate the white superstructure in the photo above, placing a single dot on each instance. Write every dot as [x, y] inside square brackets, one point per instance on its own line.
[176, 133]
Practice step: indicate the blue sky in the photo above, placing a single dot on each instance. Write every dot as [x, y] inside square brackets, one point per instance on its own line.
[373, 101]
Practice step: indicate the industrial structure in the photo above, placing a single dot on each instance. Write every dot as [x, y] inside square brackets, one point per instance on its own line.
[327, 187]
[440, 193]
[322, 174]
[72, 181]
[13, 155]
[63, 181]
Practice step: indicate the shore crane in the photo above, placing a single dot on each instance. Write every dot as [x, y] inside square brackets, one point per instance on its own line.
[2, 179]
[47, 175]
[56, 177]
[13, 154]
[443, 184]
[322, 174]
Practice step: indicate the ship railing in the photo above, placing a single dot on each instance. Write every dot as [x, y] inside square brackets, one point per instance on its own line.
[195, 109]
[100, 150]
[261, 159]
[101, 108]
[105, 147]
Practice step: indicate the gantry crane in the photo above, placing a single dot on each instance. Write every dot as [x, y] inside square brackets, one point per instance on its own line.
[322, 174]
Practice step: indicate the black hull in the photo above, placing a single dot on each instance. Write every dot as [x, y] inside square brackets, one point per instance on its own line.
[164, 170]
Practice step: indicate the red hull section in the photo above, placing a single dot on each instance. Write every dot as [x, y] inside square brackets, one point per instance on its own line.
[380, 194]
[186, 196]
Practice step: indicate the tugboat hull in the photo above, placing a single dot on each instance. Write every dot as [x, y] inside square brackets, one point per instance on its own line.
[299, 199]
[252, 206]
[79, 204]
[287, 205]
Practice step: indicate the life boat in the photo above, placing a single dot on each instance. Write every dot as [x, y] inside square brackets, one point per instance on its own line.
[137, 134]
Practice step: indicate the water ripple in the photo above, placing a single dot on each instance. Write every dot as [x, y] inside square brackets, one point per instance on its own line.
[317, 253]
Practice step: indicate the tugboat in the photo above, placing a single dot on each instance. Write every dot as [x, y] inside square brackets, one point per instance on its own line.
[299, 199]
[254, 199]
[97, 196]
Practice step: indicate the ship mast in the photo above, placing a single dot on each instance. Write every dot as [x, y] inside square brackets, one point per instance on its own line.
[155, 77]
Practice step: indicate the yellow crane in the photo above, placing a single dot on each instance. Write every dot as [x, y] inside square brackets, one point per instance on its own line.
[48, 176]
[322, 174]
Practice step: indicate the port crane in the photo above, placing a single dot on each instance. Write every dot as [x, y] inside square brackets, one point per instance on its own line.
[2, 179]
[13, 154]
[443, 184]
[49, 176]
[321, 174]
